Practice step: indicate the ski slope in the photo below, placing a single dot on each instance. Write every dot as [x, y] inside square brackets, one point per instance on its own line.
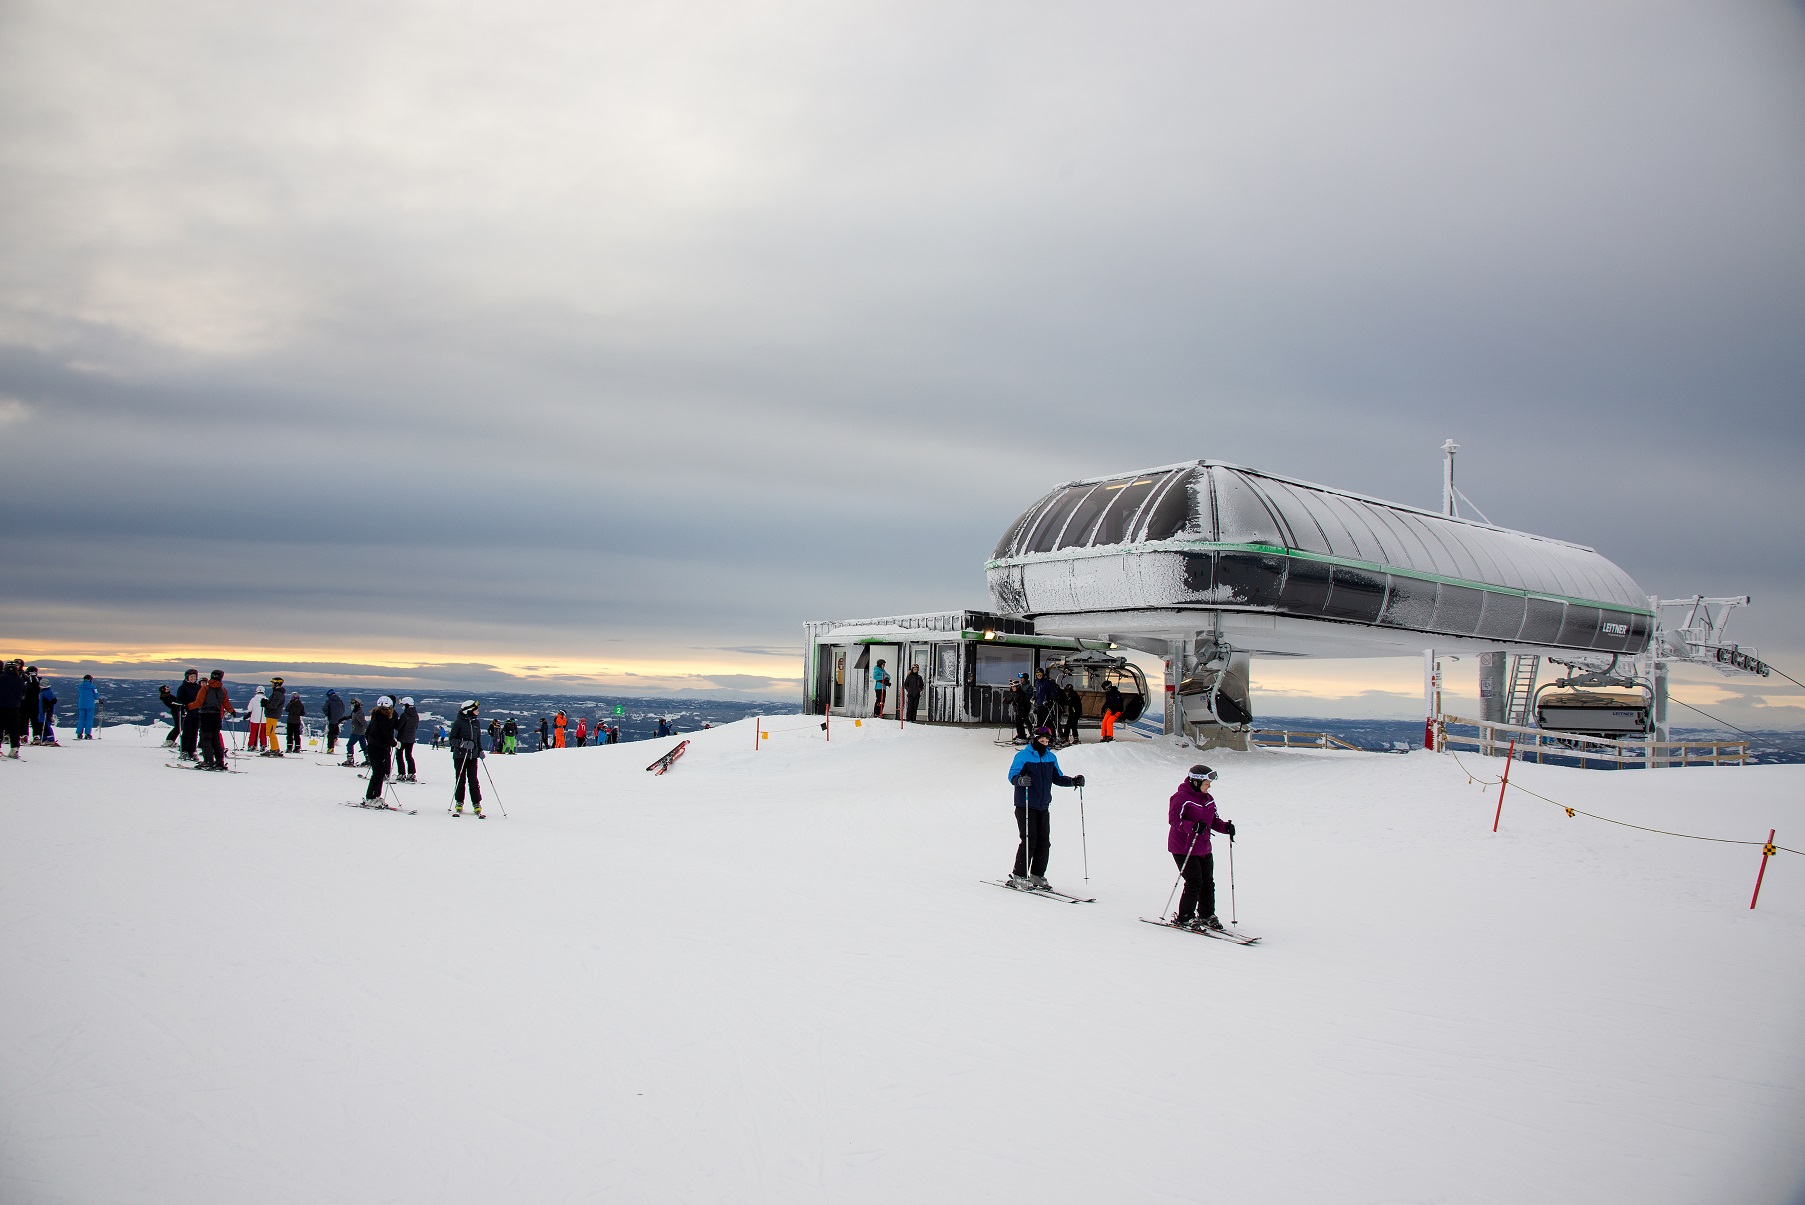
[775, 976]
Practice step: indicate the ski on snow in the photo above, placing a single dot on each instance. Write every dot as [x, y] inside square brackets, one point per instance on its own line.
[197, 766]
[367, 806]
[1047, 892]
[664, 763]
[1228, 935]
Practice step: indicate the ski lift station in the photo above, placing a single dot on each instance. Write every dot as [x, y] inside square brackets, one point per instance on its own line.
[1208, 565]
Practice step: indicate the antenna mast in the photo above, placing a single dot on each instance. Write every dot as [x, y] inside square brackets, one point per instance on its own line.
[1447, 478]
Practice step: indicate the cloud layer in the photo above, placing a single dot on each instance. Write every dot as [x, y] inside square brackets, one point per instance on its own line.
[566, 330]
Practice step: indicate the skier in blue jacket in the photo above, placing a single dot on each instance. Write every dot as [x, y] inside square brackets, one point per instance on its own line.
[87, 701]
[880, 682]
[1033, 773]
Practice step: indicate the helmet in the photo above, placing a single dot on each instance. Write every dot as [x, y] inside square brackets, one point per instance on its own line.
[1200, 775]
[408, 702]
[467, 705]
[218, 674]
[385, 701]
[276, 681]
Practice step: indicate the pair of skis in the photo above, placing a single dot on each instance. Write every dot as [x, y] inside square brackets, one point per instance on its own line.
[377, 805]
[201, 766]
[1046, 892]
[664, 763]
[1229, 935]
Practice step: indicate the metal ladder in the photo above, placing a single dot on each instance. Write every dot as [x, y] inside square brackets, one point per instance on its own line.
[1523, 668]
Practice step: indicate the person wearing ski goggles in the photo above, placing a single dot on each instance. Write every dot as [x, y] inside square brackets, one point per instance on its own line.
[1191, 818]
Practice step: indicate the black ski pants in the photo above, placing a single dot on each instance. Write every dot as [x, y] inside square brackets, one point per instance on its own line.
[1199, 898]
[379, 770]
[1035, 827]
[10, 726]
[467, 765]
[1068, 726]
[404, 759]
[332, 735]
[191, 731]
[212, 744]
[294, 736]
[914, 704]
[175, 725]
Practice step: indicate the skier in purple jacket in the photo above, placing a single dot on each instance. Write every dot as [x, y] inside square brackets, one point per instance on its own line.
[1192, 817]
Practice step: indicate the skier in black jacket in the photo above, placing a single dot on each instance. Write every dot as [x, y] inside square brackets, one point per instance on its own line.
[12, 699]
[296, 709]
[1071, 709]
[191, 720]
[210, 707]
[33, 704]
[466, 754]
[1020, 702]
[175, 714]
[335, 715]
[379, 740]
[272, 711]
[407, 727]
[912, 688]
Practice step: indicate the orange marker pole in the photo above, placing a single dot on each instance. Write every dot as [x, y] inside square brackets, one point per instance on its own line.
[1767, 851]
[758, 722]
[1509, 757]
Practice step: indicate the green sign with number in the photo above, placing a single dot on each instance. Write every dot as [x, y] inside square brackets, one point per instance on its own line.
[619, 710]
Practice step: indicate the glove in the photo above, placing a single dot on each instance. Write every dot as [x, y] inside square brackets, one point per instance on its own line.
[1024, 780]
[1231, 830]
[1077, 780]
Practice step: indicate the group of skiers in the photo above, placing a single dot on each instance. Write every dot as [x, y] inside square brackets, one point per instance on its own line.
[28, 706]
[1191, 817]
[1046, 704]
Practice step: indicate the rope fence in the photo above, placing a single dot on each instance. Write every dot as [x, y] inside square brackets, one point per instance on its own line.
[1769, 848]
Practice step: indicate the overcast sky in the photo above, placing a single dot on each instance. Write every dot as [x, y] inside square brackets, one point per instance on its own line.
[613, 341]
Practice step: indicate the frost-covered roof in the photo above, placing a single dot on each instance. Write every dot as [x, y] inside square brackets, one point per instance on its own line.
[1212, 503]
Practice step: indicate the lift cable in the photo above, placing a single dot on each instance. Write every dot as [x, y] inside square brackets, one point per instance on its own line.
[1712, 718]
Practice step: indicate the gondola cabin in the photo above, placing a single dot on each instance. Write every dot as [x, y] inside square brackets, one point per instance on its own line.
[1617, 713]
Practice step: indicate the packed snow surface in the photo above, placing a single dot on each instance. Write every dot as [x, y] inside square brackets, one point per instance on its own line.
[775, 975]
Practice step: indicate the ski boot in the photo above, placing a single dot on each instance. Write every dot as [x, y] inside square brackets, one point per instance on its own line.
[479, 814]
[1039, 882]
[1210, 922]
[1021, 882]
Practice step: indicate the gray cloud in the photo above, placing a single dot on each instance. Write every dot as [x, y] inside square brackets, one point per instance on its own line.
[564, 328]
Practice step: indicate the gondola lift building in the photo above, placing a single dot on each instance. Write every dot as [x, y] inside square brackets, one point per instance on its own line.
[1207, 565]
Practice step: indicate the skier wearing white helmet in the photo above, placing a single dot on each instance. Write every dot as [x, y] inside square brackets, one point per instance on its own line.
[1191, 817]
[407, 727]
[466, 753]
[379, 743]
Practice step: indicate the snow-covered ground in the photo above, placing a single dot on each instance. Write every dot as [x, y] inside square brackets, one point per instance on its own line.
[775, 976]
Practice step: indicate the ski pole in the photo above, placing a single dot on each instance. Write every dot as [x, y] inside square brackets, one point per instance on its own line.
[1083, 837]
[493, 789]
[1233, 915]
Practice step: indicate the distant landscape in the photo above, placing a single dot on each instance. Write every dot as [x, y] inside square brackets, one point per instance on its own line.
[133, 700]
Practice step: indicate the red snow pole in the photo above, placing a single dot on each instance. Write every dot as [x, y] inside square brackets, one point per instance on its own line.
[1767, 851]
[1509, 757]
[757, 723]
